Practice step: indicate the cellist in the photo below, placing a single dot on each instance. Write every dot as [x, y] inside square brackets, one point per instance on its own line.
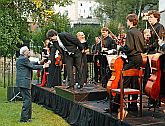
[156, 35]
[133, 48]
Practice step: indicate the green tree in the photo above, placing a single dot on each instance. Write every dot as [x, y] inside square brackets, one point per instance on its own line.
[12, 27]
[58, 22]
[13, 21]
[117, 10]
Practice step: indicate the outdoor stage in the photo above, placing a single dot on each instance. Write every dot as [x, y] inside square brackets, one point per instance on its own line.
[86, 107]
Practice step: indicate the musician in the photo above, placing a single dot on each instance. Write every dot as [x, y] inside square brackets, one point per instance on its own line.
[162, 45]
[122, 38]
[162, 66]
[156, 30]
[96, 49]
[72, 49]
[46, 50]
[147, 35]
[81, 37]
[147, 70]
[45, 57]
[108, 45]
[155, 41]
[133, 48]
[54, 76]
[107, 42]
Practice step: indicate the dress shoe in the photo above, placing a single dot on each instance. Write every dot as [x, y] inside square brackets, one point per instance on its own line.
[29, 120]
[114, 110]
[106, 110]
[149, 105]
[70, 87]
[79, 86]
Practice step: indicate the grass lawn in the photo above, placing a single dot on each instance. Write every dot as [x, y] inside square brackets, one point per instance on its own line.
[10, 114]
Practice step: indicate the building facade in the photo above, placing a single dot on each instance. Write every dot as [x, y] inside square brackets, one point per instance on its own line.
[162, 11]
[79, 12]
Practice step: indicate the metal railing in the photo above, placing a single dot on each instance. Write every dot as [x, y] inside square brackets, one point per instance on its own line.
[7, 72]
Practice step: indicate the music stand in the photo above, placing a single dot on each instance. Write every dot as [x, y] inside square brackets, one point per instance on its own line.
[90, 79]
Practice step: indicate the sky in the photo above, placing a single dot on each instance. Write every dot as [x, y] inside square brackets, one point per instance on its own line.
[161, 5]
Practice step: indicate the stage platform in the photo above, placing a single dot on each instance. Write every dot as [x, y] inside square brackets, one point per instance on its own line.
[86, 107]
[88, 93]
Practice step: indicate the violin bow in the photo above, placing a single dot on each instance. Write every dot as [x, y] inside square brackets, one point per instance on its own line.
[154, 30]
[111, 33]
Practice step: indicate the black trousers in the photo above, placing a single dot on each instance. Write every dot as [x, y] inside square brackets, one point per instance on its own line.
[74, 60]
[105, 71]
[97, 69]
[27, 104]
[84, 67]
[132, 82]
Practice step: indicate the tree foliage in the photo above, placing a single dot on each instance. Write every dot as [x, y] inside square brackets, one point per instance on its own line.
[117, 10]
[13, 21]
[58, 22]
[13, 27]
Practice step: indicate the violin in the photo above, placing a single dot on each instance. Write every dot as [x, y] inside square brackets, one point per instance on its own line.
[122, 39]
[58, 59]
[114, 37]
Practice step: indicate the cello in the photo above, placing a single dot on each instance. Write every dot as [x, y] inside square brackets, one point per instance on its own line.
[152, 88]
[116, 65]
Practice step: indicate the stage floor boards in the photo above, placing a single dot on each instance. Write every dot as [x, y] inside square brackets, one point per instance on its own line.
[98, 105]
[132, 118]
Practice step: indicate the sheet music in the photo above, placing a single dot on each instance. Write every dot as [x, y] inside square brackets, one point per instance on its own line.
[109, 59]
[34, 59]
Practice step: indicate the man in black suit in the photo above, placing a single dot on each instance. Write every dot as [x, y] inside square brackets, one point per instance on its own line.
[72, 49]
[23, 80]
